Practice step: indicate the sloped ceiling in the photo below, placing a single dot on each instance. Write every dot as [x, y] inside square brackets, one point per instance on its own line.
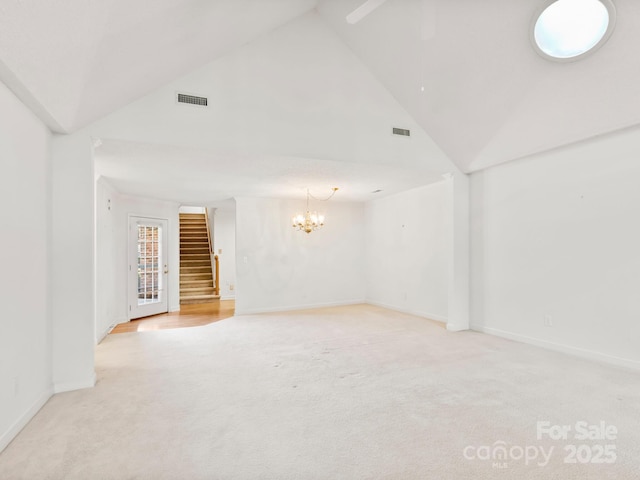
[488, 97]
[464, 70]
[73, 61]
[283, 115]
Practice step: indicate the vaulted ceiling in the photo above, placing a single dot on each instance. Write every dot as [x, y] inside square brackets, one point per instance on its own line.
[463, 70]
[78, 60]
[488, 96]
[282, 116]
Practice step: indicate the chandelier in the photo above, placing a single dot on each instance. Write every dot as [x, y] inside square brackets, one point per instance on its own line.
[310, 221]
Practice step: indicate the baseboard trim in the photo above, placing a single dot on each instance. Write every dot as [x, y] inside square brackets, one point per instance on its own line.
[456, 328]
[70, 386]
[417, 313]
[228, 297]
[104, 334]
[8, 436]
[253, 311]
[558, 347]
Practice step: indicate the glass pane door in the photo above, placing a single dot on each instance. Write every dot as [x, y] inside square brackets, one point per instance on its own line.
[147, 266]
[149, 256]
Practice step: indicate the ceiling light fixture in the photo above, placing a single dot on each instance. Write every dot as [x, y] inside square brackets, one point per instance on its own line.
[310, 221]
[566, 30]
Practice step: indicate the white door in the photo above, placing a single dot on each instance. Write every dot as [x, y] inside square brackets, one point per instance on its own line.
[147, 266]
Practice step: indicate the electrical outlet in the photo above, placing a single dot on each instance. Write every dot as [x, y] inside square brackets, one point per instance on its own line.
[232, 286]
[16, 386]
[548, 321]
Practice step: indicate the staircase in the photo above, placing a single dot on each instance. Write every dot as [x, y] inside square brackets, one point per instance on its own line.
[196, 275]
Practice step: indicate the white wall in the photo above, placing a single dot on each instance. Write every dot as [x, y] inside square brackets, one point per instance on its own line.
[459, 240]
[110, 257]
[279, 268]
[73, 257]
[188, 209]
[224, 243]
[559, 234]
[25, 329]
[407, 253]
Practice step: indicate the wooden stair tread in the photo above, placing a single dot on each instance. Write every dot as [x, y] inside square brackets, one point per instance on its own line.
[198, 297]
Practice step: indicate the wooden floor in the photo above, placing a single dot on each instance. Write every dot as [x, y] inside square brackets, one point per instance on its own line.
[188, 316]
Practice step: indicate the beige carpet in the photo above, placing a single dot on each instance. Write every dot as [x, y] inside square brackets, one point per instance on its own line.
[341, 393]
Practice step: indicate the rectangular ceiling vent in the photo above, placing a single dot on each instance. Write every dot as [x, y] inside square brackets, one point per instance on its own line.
[401, 131]
[192, 100]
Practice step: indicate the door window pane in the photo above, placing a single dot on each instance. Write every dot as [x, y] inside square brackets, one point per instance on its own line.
[149, 251]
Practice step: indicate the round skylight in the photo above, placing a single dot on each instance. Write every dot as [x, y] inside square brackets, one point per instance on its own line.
[568, 29]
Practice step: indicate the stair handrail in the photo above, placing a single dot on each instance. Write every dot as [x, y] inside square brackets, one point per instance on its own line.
[216, 283]
[216, 277]
[206, 219]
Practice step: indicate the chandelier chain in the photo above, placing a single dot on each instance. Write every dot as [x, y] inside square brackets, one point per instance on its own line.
[333, 192]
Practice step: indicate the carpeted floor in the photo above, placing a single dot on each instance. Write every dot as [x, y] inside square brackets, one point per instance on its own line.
[340, 393]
